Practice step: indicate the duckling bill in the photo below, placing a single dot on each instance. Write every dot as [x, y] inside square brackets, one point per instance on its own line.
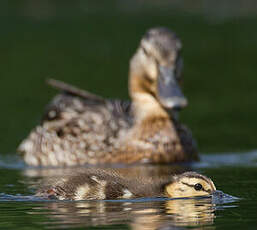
[79, 127]
[101, 184]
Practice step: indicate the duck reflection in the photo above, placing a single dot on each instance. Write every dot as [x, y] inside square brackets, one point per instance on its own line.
[175, 213]
[139, 215]
[191, 212]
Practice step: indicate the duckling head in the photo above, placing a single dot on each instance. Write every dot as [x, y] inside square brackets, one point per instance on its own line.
[156, 67]
[190, 184]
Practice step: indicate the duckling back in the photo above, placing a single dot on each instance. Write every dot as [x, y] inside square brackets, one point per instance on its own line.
[99, 184]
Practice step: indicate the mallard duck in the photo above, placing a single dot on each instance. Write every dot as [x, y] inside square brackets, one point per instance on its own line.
[79, 127]
[101, 184]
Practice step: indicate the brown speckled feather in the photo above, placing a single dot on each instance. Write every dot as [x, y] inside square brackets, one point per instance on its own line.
[76, 131]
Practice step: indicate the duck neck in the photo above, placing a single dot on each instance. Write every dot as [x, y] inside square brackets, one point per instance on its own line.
[144, 103]
[146, 107]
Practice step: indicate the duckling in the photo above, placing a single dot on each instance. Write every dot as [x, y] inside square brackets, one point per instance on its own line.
[82, 128]
[102, 184]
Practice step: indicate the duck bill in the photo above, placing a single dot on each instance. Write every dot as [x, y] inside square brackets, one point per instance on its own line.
[169, 92]
[217, 193]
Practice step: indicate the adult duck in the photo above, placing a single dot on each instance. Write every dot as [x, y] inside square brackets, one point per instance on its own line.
[79, 127]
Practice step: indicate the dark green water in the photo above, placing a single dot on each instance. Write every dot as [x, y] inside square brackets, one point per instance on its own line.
[89, 44]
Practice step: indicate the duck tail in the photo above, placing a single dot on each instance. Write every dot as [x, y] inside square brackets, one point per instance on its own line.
[70, 89]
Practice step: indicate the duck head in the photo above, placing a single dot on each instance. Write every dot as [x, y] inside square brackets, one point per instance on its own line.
[190, 184]
[156, 67]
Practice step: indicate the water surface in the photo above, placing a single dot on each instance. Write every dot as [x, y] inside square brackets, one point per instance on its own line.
[237, 177]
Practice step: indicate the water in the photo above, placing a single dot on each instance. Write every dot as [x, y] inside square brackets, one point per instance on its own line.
[236, 177]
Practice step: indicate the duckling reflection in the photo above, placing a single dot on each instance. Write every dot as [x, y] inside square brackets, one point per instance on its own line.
[178, 212]
[102, 184]
[138, 215]
[191, 212]
[80, 128]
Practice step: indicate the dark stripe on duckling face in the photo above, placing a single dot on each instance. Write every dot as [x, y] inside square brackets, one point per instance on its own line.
[195, 187]
[189, 184]
[199, 176]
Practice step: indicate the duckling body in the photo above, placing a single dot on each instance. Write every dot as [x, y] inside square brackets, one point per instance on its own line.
[102, 184]
[79, 127]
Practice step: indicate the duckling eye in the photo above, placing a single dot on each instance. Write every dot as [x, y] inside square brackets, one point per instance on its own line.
[198, 187]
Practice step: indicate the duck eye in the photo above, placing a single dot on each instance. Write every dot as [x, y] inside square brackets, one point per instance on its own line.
[198, 187]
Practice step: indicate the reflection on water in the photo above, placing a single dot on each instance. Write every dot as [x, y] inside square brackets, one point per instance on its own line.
[228, 159]
[191, 212]
[139, 215]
